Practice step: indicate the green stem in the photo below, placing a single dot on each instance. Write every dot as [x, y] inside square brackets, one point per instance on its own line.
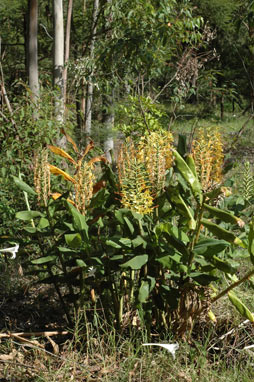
[197, 231]
[232, 286]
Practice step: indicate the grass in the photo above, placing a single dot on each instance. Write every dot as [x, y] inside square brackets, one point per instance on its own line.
[123, 359]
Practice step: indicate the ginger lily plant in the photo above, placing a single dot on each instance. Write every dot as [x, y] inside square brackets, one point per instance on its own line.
[155, 236]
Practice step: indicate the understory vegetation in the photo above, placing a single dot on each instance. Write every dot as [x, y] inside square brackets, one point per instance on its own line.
[126, 190]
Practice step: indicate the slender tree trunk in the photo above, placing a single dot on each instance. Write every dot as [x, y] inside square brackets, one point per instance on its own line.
[67, 47]
[108, 107]
[108, 123]
[33, 50]
[59, 60]
[90, 86]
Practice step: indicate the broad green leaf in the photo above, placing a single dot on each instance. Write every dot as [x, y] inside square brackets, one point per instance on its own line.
[223, 265]
[81, 263]
[65, 250]
[209, 246]
[28, 215]
[144, 291]
[23, 186]
[179, 245]
[116, 257]
[126, 242]
[136, 262]
[222, 233]
[188, 175]
[191, 163]
[240, 306]
[113, 244]
[129, 224]
[223, 215]
[79, 221]
[119, 214]
[44, 260]
[175, 197]
[43, 223]
[73, 240]
[203, 278]
[166, 261]
[139, 241]
[30, 229]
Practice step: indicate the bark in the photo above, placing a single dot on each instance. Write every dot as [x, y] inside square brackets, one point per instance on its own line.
[90, 86]
[108, 123]
[108, 107]
[33, 50]
[67, 47]
[59, 60]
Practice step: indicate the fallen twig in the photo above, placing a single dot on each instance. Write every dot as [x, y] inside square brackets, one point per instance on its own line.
[34, 334]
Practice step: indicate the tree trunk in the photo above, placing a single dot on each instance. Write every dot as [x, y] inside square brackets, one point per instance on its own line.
[59, 60]
[33, 76]
[108, 123]
[108, 106]
[90, 87]
[67, 48]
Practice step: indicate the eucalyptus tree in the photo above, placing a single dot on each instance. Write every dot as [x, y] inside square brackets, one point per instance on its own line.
[59, 59]
[33, 75]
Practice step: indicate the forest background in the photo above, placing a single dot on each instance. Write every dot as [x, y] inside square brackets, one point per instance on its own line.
[89, 90]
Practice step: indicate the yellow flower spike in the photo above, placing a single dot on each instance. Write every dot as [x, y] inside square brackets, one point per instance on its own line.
[142, 170]
[42, 176]
[207, 151]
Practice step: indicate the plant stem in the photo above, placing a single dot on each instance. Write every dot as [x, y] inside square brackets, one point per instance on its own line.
[200, 213]
[232, 286]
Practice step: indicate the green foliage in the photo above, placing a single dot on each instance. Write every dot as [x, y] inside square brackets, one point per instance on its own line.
[148, 263]
[140, 114]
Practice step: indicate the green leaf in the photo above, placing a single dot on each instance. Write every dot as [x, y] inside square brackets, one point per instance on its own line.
[166, 261]
[44, 260]
[223, 215]
[208, 247]
[188, 175]
[116, 257]
[174, 197]
[223, 265]
[129, 224]
[144, 291]
[113, 244]
[126, 242]
[28, 215]
[203, 278]
[119, 214]
[251, 241]
[139, 241]
[43, 223]
[30, 229]
[73, 240]
[136, 262]
[240, 306]
[166, 230]
[81, 263]
[222, 233]
[23, 186]
[79, 221]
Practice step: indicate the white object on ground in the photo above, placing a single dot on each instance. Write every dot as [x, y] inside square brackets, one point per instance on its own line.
[12, 250]
[170, 347]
